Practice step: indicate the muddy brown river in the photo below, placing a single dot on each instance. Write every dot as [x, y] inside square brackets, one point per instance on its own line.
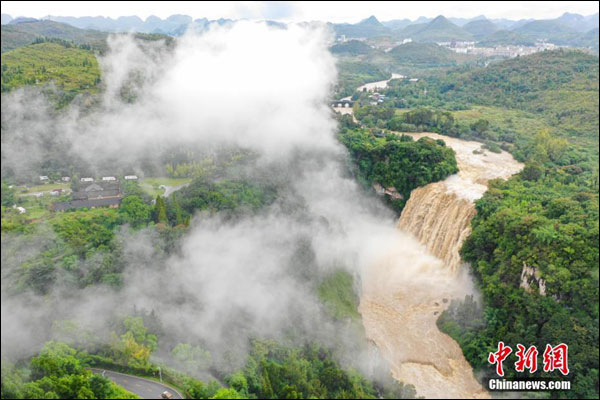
[404, 292]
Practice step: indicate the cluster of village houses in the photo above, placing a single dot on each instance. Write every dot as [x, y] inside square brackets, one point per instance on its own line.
[471, 47]
[376, 98]
[510, 51]
[67, 179]
[106, 192]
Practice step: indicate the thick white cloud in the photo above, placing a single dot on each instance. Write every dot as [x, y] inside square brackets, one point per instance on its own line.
[248, 85]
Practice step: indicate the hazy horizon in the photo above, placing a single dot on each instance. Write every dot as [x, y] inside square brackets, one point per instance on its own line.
[302, 11]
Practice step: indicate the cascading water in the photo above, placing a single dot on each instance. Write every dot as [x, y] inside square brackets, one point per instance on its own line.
[404, 292]
[440, 220]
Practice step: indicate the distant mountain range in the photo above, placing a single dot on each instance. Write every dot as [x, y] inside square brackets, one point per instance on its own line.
[175, 25]
[440, 29]
[568, 29]
[369, 27]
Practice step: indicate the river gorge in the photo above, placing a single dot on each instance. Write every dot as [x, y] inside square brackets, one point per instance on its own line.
[404, 292]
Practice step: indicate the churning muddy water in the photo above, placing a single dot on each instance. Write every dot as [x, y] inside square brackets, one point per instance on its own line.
[404, 292]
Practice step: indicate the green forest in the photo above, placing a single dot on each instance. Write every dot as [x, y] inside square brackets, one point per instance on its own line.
[396, 160]
[68, 66]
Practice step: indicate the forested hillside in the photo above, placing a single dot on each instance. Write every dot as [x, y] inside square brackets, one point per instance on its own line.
[426, 54]
[25, 33]
[57, 372]
[560, 86]
[69, 67]
[66, 64]
[355, 73]
[359, 63]
[396, 161]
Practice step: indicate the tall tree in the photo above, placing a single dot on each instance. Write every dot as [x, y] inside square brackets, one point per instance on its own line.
[160, 210]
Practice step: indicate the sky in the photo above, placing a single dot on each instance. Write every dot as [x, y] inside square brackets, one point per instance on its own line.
[302, 11]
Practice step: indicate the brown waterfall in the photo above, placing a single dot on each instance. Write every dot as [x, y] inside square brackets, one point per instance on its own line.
[440, 214]
[440, 220]
[404, 291]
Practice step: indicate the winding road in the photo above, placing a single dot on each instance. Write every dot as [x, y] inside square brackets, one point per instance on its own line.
[144, 388]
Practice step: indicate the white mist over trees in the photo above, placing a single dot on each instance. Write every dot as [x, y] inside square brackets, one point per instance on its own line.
[246, 85]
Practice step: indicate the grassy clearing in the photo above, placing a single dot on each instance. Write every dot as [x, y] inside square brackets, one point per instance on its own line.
[36, 210]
